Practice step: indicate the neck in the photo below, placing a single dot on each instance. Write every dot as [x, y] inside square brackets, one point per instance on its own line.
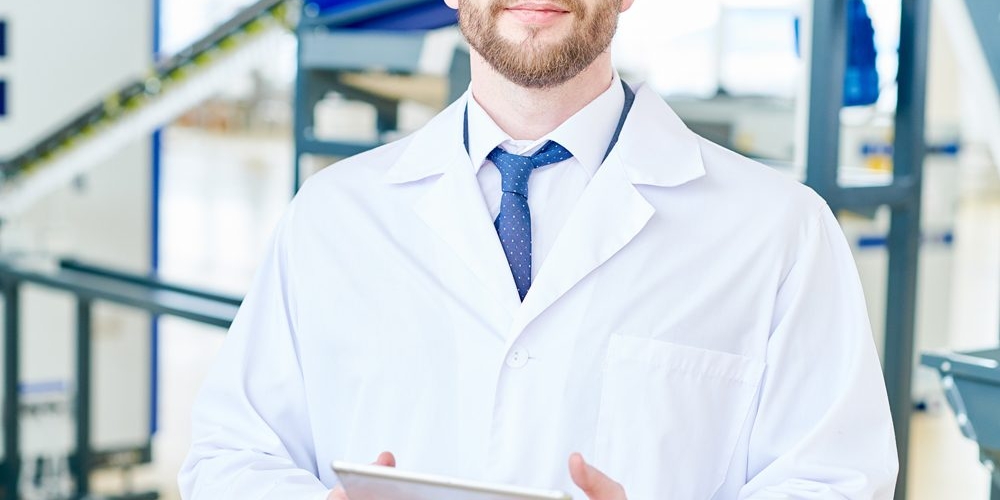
[529, 114]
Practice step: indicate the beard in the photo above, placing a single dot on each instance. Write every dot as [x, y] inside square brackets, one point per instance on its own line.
[535, 63]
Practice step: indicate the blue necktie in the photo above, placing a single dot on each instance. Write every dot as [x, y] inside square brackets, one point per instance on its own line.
[514, 221]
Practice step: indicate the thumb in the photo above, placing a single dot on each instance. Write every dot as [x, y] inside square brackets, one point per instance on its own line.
[593, 482]
[385, 459]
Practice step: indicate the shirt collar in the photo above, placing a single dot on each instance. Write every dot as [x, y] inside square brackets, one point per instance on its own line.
[586, 134]
[655, 148]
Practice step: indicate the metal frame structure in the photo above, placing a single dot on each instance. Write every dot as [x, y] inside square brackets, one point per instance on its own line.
[89, 284]
[323, 56]
[972, 386]
[902, 196]
[328, 49]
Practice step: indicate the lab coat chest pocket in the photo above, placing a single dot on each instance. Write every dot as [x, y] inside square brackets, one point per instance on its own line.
[671, 416]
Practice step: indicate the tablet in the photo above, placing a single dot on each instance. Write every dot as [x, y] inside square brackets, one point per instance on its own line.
[372, 482]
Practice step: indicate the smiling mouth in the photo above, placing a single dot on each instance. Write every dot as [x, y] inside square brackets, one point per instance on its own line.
[543, 8]
[538, 8]
[536, 13]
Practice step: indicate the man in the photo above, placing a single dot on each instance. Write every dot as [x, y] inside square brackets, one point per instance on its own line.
[688, 320]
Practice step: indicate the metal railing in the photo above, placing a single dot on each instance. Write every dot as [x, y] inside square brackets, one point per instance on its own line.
[88, 284]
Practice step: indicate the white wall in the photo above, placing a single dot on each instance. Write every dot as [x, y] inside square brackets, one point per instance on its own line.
[64, 57]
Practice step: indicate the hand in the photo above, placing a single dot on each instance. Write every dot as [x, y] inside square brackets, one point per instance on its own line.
[385, 459]
[593, 482]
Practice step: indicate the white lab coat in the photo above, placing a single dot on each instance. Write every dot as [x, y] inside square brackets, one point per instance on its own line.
[697, 331]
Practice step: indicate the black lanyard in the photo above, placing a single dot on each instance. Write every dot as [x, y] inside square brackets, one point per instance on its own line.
[629, 100]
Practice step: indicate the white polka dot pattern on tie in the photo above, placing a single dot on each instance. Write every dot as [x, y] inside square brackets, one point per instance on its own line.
[513, 224]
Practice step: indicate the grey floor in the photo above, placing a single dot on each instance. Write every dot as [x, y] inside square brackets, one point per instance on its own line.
[222, 195]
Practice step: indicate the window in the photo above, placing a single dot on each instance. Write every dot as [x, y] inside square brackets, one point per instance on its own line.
[3, 97]
[3, 38]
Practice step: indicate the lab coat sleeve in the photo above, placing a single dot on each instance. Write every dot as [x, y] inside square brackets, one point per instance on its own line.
[251, 432]
[823, 428]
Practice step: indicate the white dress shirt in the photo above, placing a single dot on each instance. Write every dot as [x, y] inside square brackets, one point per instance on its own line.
[553, 190]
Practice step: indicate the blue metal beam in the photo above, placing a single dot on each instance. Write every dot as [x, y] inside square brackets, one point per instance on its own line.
[904, 232]
[393, 51]
[11, 472]
[155, 299]
[378, 14]
[156, 157]
[865, 198]
[826, 79]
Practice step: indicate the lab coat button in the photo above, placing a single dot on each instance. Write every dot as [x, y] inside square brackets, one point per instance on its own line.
[517, 358]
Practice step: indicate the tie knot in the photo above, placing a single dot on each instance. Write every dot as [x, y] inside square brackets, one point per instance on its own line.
[515, 169]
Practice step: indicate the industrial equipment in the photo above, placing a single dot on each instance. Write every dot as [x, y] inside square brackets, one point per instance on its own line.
[972, 385]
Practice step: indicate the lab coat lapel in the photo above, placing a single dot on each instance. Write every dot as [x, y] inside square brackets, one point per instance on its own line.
[609, 214]
[453, 206]
[454, 209]
[655, 149]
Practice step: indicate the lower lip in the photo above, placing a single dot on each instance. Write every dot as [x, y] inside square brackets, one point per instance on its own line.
[536, 17]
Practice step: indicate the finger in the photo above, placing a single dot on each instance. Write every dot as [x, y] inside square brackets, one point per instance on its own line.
[593, 482]
[385, 459]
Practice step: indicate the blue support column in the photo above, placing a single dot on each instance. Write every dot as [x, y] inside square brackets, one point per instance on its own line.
[3, 97]
[904, 234]
[302, 120]
[826, 88]
[902, 196]
[3, 38]
[82, 455]
[11, 399]
[154, 244]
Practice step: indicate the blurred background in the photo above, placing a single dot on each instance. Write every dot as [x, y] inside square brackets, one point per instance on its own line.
[148, 148]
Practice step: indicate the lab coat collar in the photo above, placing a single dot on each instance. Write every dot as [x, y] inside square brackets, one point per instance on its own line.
[433, 148]
[656, 148]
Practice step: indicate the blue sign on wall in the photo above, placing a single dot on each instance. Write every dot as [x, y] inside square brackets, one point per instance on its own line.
[3, 53]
